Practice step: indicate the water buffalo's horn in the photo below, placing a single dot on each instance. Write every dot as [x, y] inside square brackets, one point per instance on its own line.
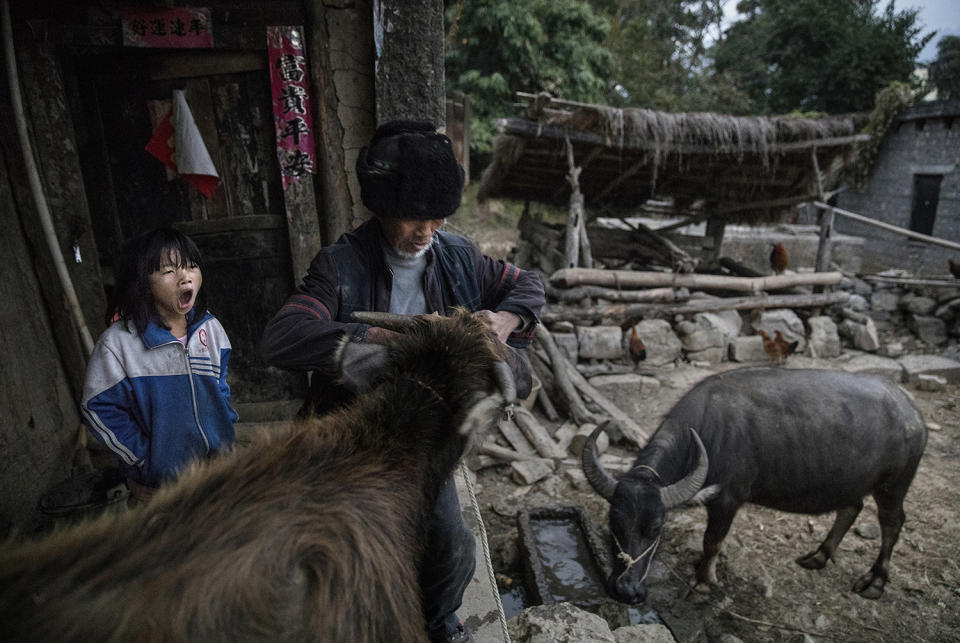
[683, 490]
[601, 481]
[390, 321]
[505, 381]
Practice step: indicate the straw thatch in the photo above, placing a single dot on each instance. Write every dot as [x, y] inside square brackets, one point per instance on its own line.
[744, 168]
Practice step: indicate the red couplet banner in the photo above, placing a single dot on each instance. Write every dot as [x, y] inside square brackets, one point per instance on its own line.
[179, 27]
[292, 113]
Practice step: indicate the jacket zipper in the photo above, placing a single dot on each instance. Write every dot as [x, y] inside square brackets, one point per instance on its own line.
[193, 397]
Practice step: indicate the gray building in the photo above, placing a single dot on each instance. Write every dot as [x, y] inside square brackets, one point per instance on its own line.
[915, 184]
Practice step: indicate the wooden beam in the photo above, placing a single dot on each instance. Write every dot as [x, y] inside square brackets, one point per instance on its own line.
[889, 227]
[625, 314]
[635, 279]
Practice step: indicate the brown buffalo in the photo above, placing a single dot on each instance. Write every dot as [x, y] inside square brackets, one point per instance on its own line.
[312, 533]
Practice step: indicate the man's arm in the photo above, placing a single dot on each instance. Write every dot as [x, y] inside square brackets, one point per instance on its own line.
[305, 333]
[507, 288]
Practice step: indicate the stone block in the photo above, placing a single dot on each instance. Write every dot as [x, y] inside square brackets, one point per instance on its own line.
[916, 365]
[712, 355]
[931, 330]
[526, 472]
[931, 382]
[626, 390]
[784, 320]
[748, 349]
[885, 300]
[599, 342]
[920, 305]
[663, 346]
[824, 340]
[567, 343]
[863, 337]
[875, 365]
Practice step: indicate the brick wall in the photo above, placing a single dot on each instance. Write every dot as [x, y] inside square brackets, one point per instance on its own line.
[926, 141]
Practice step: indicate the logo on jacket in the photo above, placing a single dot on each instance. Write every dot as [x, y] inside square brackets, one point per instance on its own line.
[203, 336]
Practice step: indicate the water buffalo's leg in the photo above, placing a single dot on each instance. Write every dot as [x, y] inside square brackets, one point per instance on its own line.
[819, 558]
[890, 513]
[720, 515]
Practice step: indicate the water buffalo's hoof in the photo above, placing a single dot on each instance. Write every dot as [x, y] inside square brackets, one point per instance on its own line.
[702, 588]
[869, 586]
[816, 560]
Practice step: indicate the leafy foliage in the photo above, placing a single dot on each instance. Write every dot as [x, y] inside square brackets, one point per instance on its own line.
[504, 46]
[813, 55]
[945, 70]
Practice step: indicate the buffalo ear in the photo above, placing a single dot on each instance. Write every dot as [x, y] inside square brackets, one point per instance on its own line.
[684, 490]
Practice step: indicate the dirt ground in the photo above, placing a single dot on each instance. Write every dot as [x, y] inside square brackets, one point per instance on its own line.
[763, 595]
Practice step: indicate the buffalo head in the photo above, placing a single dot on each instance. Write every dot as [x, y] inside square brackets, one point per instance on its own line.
[638, 505]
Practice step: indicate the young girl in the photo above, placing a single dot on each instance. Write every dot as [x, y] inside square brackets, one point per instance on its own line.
[156, 389]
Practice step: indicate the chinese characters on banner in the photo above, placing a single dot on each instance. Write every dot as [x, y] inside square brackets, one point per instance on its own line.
[182, 27]
[292, 114]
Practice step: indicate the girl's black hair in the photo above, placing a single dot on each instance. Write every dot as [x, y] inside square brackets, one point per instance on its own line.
[132, 298]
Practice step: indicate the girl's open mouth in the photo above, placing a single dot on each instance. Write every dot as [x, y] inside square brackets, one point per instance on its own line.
[185, 298]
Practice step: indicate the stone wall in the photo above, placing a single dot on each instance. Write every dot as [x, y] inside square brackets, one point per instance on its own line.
[926, 141]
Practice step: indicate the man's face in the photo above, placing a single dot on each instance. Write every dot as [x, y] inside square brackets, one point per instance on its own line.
[409, 237]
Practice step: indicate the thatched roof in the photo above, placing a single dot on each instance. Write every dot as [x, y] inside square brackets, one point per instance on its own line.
[748, 169]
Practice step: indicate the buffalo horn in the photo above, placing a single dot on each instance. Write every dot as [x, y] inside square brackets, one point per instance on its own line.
[683, 490]
[505, 381]
[390, 321]
[601, 481]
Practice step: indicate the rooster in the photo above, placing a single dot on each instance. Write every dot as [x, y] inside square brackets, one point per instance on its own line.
[954, 267]
[778, 258]
[778, 348]
[638, 351]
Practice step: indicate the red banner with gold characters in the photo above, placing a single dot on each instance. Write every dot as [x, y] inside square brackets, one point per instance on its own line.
[177, 27]
[292, 114]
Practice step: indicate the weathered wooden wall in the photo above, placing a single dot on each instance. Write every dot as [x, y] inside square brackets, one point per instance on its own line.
[40, 416]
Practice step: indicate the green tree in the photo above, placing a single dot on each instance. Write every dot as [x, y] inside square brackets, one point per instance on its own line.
[810, 55]
[945, 70]
[660, 46]
[500, 47]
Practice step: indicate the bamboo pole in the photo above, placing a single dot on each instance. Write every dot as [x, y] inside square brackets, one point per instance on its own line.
[569, 277]
[583, 292]
[889, 227]
[631, 312]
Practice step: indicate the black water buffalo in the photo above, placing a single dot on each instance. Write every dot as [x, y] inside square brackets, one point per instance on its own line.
[804, 441]
[313, 533]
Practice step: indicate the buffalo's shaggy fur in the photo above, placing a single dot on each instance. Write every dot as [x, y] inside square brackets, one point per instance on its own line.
[312, 533]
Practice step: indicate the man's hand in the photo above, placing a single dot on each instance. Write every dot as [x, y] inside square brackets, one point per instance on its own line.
[502, 323]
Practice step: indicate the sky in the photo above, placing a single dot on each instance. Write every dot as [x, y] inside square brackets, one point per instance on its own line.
[940, 15]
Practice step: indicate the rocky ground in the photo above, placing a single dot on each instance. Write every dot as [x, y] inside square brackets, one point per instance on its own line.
[763, 595]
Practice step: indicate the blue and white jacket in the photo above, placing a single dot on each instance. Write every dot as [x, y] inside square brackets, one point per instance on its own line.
[156, 404]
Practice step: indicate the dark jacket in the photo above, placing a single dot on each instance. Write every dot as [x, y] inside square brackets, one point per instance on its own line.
[353, 275]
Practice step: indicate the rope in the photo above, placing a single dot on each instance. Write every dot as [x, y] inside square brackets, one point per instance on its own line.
[485, 546]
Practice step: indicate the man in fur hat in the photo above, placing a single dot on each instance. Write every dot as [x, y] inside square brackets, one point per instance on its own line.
[401, 261]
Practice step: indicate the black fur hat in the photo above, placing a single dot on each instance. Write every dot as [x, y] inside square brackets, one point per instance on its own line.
[409, 171]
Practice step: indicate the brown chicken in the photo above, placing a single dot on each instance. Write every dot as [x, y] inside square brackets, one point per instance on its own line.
[954, 267]
[778, 258]
[778, 348]
[638, 351]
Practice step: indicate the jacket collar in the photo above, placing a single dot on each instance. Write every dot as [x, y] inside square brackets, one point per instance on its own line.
[156, 335]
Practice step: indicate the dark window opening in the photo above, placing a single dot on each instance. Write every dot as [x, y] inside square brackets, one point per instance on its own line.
[920, 123]
[948, 122]
[926, 195]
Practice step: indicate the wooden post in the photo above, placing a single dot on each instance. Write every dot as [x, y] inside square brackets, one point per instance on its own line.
[824, 246]
[571, 254]
[715, 228]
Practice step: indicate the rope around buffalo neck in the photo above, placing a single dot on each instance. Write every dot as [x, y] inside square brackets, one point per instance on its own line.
[629, 561]
[485, 546]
